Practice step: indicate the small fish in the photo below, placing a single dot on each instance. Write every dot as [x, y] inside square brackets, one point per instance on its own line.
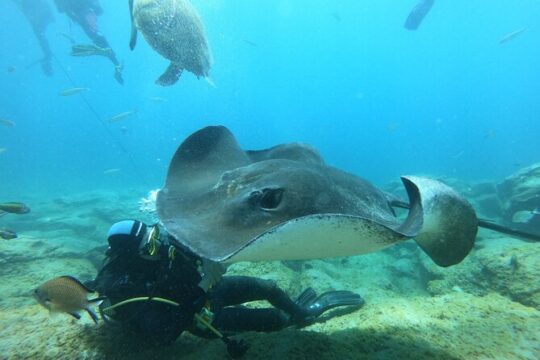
[7, 123]
[11, 69]
[72, 91]
[7, 234]
[157, 99]
[251, 43]
[111, 171]
[336, 16]
[490, 134]
[458, 155]
[68, 295]
[511, 36]
[14, 208]
[393, 126]
[122, 116]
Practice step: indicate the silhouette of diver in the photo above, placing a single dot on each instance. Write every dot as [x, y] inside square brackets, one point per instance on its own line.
[39, 15]
[417, 14]
[85, 13]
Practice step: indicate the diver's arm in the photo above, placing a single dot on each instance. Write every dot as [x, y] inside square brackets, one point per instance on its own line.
[96, 7]
[133, 38]
[60, 5]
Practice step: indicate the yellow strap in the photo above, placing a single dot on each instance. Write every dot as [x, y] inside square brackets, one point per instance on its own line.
[198, 317]
[208, 325]
[144, 298]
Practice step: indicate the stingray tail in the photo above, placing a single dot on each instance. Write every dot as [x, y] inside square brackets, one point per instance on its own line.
[520, 234]
[442, 222]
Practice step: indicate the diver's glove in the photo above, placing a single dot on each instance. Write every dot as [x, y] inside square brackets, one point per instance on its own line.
[314, 306]
[118, 74]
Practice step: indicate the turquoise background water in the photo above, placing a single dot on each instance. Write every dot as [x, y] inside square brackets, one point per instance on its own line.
[374, 98]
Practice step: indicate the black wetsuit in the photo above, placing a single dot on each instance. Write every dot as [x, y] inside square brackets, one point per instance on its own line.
[39, 15]
[125, 276]
[85, 13]
[236, 290]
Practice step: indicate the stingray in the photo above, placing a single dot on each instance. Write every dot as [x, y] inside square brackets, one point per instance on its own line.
[285, 203]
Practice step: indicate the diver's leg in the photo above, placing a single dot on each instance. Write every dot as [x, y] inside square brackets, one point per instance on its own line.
[235, 290]
[100, 40]
[237, 319]
[47, 54]
[89, 24]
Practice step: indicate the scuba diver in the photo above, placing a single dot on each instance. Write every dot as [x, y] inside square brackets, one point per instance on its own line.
[158, 288]
[39, 15]
[85, 13]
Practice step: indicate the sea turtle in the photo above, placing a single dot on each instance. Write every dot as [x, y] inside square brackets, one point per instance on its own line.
[174, 29]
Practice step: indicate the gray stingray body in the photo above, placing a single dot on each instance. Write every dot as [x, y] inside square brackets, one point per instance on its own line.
[174, 29]
[229, 205]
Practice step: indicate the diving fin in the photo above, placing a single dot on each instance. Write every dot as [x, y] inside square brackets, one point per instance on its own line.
[89, 50]
[314, 306]
[170, 76]
[332, 299]
[92, 315]
[306, 298]
[75, 315]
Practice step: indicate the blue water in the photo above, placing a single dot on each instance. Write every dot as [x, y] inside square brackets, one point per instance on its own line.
[375, 99]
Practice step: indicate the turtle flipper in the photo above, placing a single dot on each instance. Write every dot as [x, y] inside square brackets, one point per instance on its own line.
[133, 37]
[170, 76]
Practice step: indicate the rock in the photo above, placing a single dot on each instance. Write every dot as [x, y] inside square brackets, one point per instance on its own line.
[520, 192]
[512, 270]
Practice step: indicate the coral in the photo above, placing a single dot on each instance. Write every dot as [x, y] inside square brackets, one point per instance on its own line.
[520, 191]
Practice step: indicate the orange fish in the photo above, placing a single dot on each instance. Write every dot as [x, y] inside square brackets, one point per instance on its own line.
[66, 294]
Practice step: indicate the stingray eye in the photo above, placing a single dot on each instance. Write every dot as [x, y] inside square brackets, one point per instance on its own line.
[270, 198]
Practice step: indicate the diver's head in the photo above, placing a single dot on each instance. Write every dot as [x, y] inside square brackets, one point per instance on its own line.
[124, 237]
[133, 237]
